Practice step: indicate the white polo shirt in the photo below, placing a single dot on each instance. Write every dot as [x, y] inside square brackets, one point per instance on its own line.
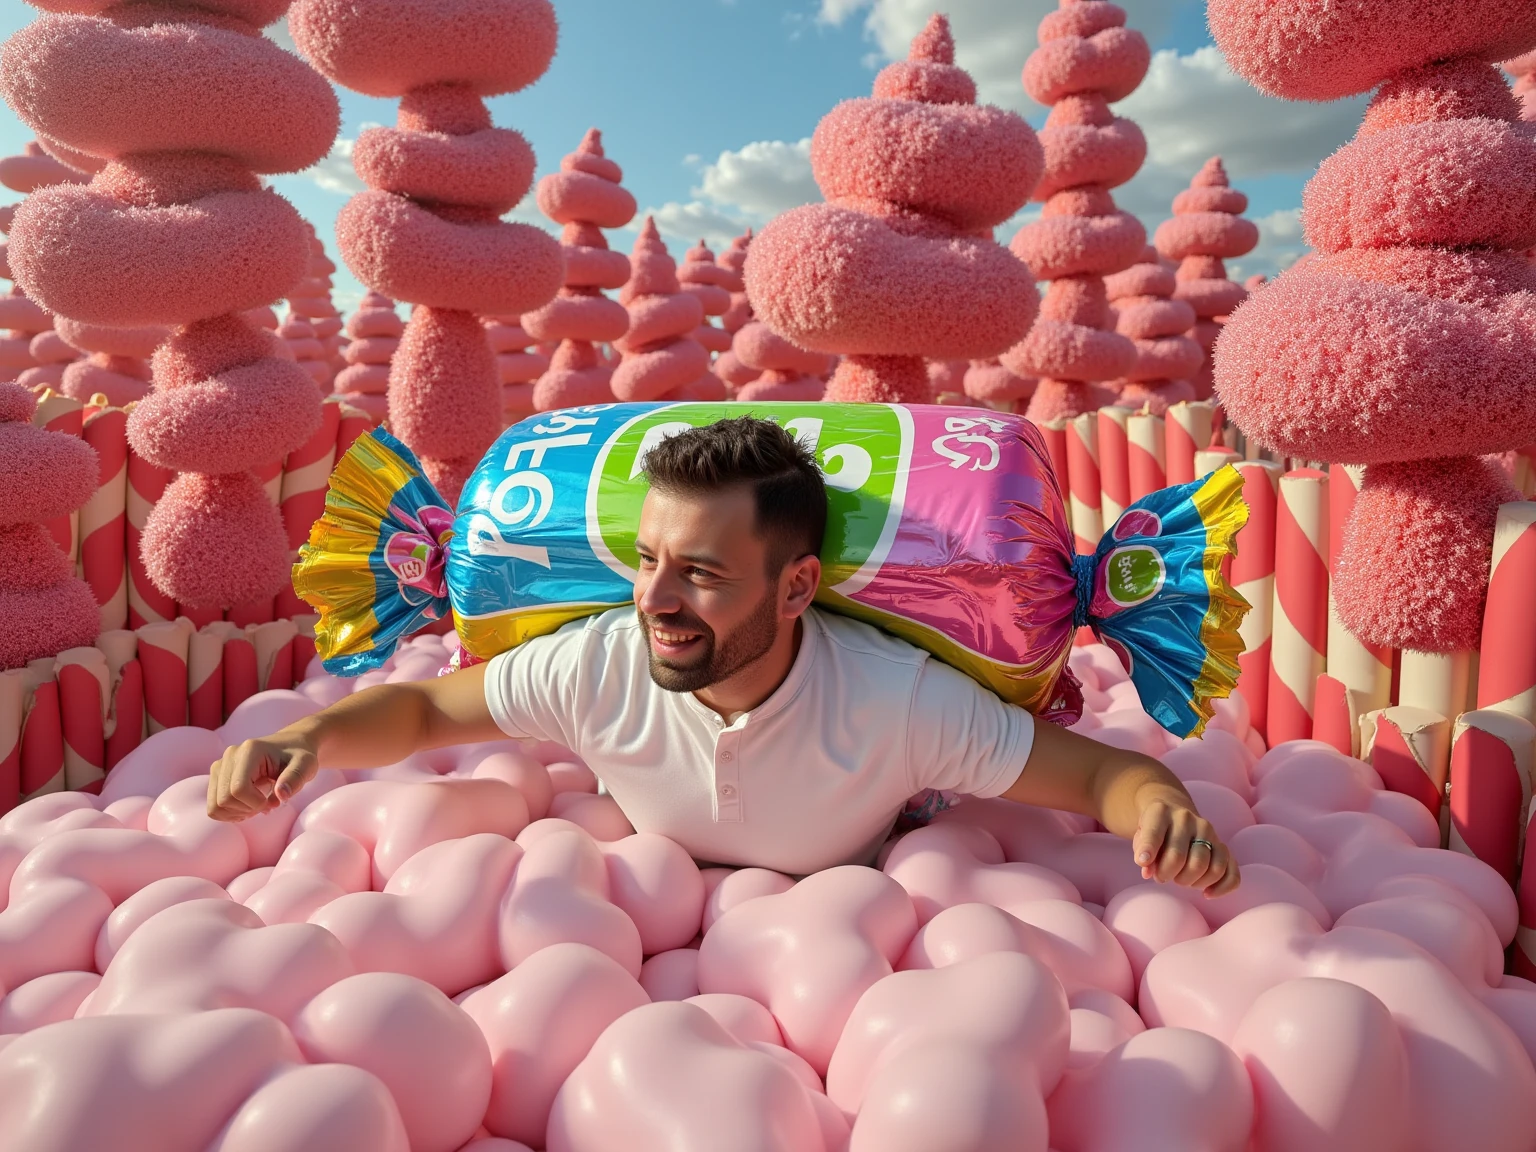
[813, 777]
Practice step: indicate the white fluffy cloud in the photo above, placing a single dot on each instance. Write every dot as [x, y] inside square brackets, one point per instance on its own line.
[335, 173]
[743, 188]
[1194, 107]
[993, 38]
[1280, 246]
[683, 225]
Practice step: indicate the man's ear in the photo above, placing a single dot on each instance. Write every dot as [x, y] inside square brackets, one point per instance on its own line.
[798, 584]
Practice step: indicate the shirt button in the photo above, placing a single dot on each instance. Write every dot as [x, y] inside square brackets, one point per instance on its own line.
[725, 755]
[727, 791]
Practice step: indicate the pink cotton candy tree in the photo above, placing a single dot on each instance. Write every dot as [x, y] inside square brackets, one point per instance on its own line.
[310, 301]
[1146, 313]
[373, 336]
[1086, 61]
[188, 104]
[733, 261]
[661, 359]
[428, 229]
[117, 362]
[899, 265]
[701, 276]
[990, 382]
[585, 196]
[1407, 343]
[44, 606]
[1207, 228]
[519, 366]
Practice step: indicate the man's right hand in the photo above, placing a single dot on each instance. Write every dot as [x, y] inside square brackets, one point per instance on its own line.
[258, 775]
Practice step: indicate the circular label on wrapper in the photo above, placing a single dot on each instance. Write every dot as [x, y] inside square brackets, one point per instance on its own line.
[1133, 574]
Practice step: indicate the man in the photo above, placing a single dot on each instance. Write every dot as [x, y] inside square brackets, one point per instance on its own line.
[728, 713]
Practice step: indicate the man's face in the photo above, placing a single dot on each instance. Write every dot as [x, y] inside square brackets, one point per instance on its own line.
[704, 597]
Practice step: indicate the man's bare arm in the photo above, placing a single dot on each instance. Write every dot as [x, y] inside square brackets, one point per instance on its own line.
[376, 726]
[1133, 796]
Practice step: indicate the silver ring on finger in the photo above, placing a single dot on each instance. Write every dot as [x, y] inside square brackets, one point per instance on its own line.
[1208, 845]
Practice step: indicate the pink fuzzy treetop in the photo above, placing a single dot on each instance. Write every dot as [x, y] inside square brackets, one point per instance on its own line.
[1157, 325]
[373, 336]
[899, 265]
[428, 229]
[185, 104]
[661, 359]
[1087, 59]
[585, 196]
[1407, 343]
[1207, 228]
[44, 607]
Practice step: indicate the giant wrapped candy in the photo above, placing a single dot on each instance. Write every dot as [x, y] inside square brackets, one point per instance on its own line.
[945, 527]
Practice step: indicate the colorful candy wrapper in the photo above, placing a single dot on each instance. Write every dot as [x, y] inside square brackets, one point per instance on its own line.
[946, 527]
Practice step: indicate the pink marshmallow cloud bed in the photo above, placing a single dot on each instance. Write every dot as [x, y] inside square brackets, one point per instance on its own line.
[472, 949]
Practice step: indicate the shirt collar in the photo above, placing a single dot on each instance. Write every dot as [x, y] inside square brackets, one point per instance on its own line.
[785, 693]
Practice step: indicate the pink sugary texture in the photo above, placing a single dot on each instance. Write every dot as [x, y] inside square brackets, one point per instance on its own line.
[443, 396]
[121, 379]
[139, 343]
[1157, 324]
[216, 540]
[1206, 228]
[661, 357]
[177, 107]
[389, 47]
[989, 380]
[1417, 550]
[1322, 50]
[1087, 59]
[428, 230]
[1406, 343]
[585, 196]
[43, 607]
[899, 263]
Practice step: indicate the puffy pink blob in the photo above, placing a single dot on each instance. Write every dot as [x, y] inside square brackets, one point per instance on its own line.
[491, 169]
[441, 398]
[215, 540]
[488, 46]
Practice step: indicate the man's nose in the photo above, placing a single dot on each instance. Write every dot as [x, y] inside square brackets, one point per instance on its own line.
[657, 595]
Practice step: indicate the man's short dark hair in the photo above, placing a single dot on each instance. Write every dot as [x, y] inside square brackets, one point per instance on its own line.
[790, 493]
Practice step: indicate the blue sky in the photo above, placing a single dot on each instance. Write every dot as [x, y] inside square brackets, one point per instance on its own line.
[706, 103]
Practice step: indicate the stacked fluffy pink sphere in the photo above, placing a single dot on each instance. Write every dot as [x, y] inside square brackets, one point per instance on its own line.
[471, 951]
[310, 301]
[899, 265]
[585, 196]
[1146, 313]
[519, 366]
[373, 337]
[1407, 342]
[1207, 228]
[117, 362]
[701, 276]
[428, 230]
[733, 261]
[1087, 59]
[45, 607]
[785, 372]
[661, 359]
[186, 104]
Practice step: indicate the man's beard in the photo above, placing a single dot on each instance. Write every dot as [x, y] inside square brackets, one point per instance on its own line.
[750, 642]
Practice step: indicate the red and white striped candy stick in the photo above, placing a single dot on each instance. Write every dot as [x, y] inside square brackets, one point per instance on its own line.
[306, 474]
[1207, 460]
[13, 706]
[1410, 748]
[1525, 936]
[1187, 431]
[59, 413]
[1054, 433]
[271, 477]
[1148, 461]
[104, 518]
[353, 423]
[205, 674]
[1435, 681]
[273, 644]
[146, 483]
[1253, 575]
[1114, 462]
[42, 733]
[1362, 668]
[1507, 671]
[163, 650]
[1084, 484]
[1491, 787]
[242, 675]
[125, 713]
[1300, 625]
[84, 683]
